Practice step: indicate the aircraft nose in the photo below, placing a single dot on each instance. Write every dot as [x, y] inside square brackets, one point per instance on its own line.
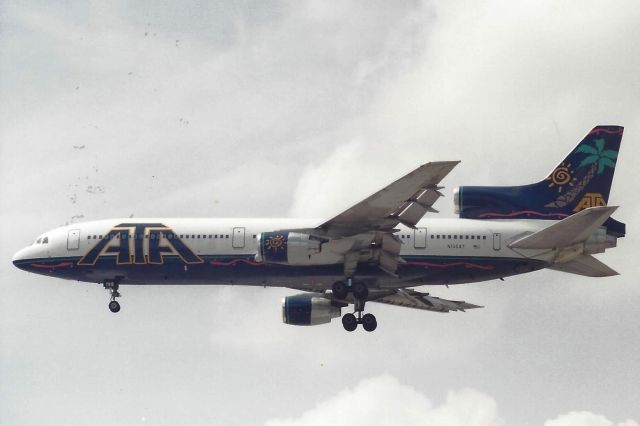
[18, 257]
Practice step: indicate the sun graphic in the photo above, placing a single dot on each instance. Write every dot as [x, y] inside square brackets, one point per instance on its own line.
[275, 243]
[561, 176]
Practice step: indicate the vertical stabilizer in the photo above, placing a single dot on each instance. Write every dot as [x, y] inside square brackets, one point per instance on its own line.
[582, 180]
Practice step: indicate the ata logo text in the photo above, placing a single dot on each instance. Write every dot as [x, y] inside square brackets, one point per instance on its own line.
[140, 244]
[590, 199]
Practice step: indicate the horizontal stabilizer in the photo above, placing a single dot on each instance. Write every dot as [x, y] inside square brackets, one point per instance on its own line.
[585, 265]
[571, 230]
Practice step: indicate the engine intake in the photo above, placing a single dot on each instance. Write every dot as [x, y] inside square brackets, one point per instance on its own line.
[308, 309]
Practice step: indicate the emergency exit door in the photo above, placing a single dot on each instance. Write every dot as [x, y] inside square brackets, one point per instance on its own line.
[496, 242]
[73, 239]
[420, 238]
[238, 238]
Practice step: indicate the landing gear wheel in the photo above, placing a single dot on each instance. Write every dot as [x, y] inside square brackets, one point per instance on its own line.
[114, 306]
[112, 286]
[349, 322]
[369, 322]
[340, 290]
[360, 290]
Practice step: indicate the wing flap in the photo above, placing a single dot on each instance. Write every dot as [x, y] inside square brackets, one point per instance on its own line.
[414, 299]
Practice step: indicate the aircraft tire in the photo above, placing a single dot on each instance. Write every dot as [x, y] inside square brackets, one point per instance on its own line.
[114, 306]
[340, 290]
[369, 322]
[349, 322]
[360, 290]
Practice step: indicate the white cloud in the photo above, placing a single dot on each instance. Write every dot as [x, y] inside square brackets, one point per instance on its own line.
[585, 418]
[383, 400]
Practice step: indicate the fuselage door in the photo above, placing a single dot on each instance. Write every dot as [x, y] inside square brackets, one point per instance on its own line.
[238, 238]
[73, 239]
[420, 238]
[496, 242]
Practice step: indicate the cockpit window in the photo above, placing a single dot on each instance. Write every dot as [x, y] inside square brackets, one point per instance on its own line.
[38, 240]
[45, 240]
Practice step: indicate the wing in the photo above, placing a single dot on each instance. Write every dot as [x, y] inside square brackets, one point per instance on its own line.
[414, 299]
[404, 201]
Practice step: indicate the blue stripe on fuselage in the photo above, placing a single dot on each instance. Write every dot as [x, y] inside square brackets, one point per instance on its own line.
[242, 269]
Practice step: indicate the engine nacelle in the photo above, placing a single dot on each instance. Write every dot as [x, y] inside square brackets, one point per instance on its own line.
[294, 248]
[308, 309]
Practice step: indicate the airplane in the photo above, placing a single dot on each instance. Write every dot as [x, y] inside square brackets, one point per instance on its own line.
[375, 251]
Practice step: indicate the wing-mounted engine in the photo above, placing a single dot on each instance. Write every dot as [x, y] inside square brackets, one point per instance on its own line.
[295, 248]
[303, 249]
[308, 309]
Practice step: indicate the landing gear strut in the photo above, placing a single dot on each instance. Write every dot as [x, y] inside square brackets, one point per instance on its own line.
[113, 286]
[360, 293]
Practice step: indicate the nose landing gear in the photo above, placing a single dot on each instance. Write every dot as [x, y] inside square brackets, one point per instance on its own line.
[114, 306]
[360, 293]
[113, 286]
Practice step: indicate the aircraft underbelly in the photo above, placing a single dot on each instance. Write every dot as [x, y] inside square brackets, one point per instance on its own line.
[244, 270]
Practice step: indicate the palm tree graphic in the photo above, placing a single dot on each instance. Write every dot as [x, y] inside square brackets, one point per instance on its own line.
[598, 155]
[598, 158]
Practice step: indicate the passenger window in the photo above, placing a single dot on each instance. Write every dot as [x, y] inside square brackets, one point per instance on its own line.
[448, 237]
[227, 236]
[437, 237]
[484, 237]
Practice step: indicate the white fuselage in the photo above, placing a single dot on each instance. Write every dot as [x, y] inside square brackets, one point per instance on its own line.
[438, 251]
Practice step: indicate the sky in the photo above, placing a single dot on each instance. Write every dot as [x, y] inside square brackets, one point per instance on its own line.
[300, 109]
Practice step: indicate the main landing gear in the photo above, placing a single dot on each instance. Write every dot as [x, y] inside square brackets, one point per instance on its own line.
[360, 293]
[113, 286]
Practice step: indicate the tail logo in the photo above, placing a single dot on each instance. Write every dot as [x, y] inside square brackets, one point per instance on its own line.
[598, 159]
[561, 176]
[597, 156]
[590, 199]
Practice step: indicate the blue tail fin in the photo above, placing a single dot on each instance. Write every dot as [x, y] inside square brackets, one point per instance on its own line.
[583, 179]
